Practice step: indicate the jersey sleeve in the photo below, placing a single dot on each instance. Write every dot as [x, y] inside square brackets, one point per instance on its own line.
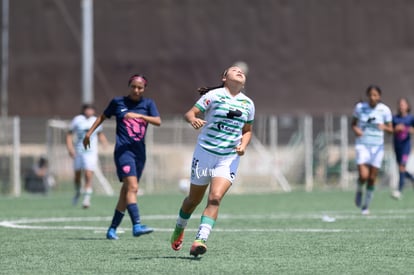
[357, 110]
[204, 102]
[72, 124]
[111, 108]
[387, 115]
[152, 109]
[251, 114]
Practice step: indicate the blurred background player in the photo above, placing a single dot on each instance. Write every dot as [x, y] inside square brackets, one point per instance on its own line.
[403, 123]
[84, 160]
[38, 178]
[370, 120]
[226, 131]
[133, 113]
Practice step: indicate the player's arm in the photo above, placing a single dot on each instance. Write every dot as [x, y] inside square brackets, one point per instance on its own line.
[245, 140]
[154, 120]
[386, 127]
[192, 117]
[69, 144]
[354, 126]
[96, 124]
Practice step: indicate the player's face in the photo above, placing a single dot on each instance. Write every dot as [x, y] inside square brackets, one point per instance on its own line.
[373, 97]
[136, 88]
[235, 74]
[403, 106]
[89, 112]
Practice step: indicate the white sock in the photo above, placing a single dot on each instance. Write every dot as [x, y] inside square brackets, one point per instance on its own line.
[87, 196]
[203, 232]
[181, 222]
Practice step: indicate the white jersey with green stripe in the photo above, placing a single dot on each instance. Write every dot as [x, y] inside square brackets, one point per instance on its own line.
[368, 120]
[225, 115]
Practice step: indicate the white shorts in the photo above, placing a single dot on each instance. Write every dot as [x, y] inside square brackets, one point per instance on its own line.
[370, 155]
[206, 166]
[85, 162]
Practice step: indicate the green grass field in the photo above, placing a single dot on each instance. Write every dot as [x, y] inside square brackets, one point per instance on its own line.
[255, 234]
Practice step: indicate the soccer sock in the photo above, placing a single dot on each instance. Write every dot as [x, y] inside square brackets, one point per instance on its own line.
[87, 196]
[369, 195]
[117, 218]
[360, 185]
[77, 188]
[134, 213]
[401, 181]
[206, 225]
[182, 219]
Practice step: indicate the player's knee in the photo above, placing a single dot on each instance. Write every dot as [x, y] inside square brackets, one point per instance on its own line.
[214, 200]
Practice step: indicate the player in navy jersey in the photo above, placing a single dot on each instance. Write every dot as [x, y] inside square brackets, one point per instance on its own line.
[133, 113]
[403, 123]
[370, 120]
[84, 161]
[226, 130]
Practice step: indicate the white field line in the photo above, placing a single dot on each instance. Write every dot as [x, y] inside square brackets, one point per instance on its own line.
[28, 223]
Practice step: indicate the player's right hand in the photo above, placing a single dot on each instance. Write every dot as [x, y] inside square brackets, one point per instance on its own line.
[86, 143]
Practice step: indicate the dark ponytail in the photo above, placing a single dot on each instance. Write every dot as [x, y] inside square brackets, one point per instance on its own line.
[204, 90]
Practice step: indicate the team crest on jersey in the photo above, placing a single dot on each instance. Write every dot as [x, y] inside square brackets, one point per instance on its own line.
[126, 169]
[207, 101]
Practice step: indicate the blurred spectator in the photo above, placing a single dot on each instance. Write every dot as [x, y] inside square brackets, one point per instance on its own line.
[38, 179]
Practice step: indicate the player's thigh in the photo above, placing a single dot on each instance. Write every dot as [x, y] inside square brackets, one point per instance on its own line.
[377, 155]
[202, 167]
[226, 167]
[362, 154]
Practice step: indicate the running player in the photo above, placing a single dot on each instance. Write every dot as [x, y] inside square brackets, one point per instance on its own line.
[370, 120]
[403, 123]
[84, 160]
[225, 133]
[133, 114]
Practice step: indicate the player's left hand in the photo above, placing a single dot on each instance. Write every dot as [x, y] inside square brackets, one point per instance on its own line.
[240, 150]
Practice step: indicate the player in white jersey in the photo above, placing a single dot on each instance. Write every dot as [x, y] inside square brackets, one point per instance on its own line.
[226, 130]
[370, 120]
[85, 160]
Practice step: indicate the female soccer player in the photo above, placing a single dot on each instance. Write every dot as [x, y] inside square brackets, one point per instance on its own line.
[370, 120]
[403, 123]
[84, 161]
[133, 114]
[226, 132]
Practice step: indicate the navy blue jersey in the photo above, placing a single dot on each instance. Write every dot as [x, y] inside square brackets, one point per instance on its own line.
[402, 136]
[130, 133]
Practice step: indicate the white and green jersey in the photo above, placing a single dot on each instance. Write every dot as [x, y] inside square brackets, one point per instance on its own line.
[368, 120]
[79, 126]
[225, 116]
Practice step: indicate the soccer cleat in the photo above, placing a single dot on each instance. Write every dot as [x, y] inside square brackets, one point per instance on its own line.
[111, 234]
[365, 211]
[358, 198]
[140, 229]
[199, 247]
[177, 238]
[86, 203]
[396, 194]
